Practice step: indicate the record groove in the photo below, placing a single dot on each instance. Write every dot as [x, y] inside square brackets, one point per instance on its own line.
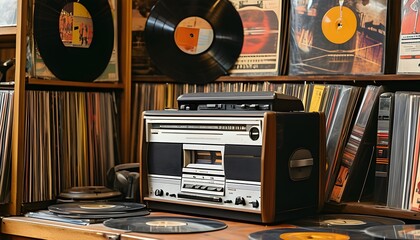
[408, 231]
[307, 233]
[213, 58]
[348, 222]
[165, 224]
[74, 63]
[95, 208]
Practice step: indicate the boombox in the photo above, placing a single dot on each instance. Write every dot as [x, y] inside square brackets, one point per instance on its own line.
[259, 166]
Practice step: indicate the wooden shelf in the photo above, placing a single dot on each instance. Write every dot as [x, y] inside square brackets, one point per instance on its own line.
[371, 209]
[8, 37]
[59, 83]
[6, 31]
[302, 78]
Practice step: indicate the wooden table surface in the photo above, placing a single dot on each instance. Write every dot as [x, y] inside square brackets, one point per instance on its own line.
[30, 228]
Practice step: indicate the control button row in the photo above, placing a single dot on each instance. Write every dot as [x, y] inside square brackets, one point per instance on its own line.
[202, 187]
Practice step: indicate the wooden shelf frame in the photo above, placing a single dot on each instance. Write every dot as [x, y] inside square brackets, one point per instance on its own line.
[15, 37]
[22, 83]
[303, 78]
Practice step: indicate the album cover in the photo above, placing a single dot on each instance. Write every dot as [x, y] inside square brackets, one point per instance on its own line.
[403, 149]
[337, 37]
[8, 10]
[260, 53]
[415, 182]
[409, 46]
[383, 146]
[359, 150]
[141, 63]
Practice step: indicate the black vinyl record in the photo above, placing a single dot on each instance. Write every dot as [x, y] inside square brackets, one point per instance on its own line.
[76, 48]
[408, 231]
[95, 208]
[103, 216]
[348, 222]
[165, 224]
[307, 233]
[89, 193]
[194, 41]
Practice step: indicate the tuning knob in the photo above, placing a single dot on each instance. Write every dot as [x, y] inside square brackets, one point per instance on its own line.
[239, 201]
[159, 192]
[255, 204]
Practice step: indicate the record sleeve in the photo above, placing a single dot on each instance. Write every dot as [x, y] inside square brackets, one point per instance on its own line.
[359, 150]
[408, 51]
[403, 147]
[337, 37]
[383, 146]
[260, 54]
[166, 224]
[141, 63]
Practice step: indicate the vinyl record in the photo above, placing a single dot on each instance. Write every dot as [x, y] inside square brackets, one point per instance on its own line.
[339, 24]
[103, 216]
[194, 41]
[75, 38]
[348, 222]
[306, 234]
[89, 193]
[409, 231]
[95, 208]
[165, 224]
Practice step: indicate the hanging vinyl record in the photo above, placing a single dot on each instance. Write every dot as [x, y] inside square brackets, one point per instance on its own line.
[194, 41]
[75, 38]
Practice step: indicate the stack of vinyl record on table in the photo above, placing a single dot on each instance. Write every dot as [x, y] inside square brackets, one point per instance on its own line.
[84, 213]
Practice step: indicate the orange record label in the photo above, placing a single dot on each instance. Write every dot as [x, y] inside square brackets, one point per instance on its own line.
[193, 35]
[313, 235]
[339, 24]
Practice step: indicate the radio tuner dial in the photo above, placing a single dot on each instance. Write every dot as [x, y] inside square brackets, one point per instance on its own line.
[240, 201]
[159, 192]
[254, 133]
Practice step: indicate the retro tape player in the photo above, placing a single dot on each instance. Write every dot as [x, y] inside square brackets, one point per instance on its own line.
[243, 156]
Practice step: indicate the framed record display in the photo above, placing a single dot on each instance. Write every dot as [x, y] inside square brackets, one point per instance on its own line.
[75, 39]
[337, 37]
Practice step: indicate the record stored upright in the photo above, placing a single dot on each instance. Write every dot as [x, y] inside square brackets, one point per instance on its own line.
[15, 37]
